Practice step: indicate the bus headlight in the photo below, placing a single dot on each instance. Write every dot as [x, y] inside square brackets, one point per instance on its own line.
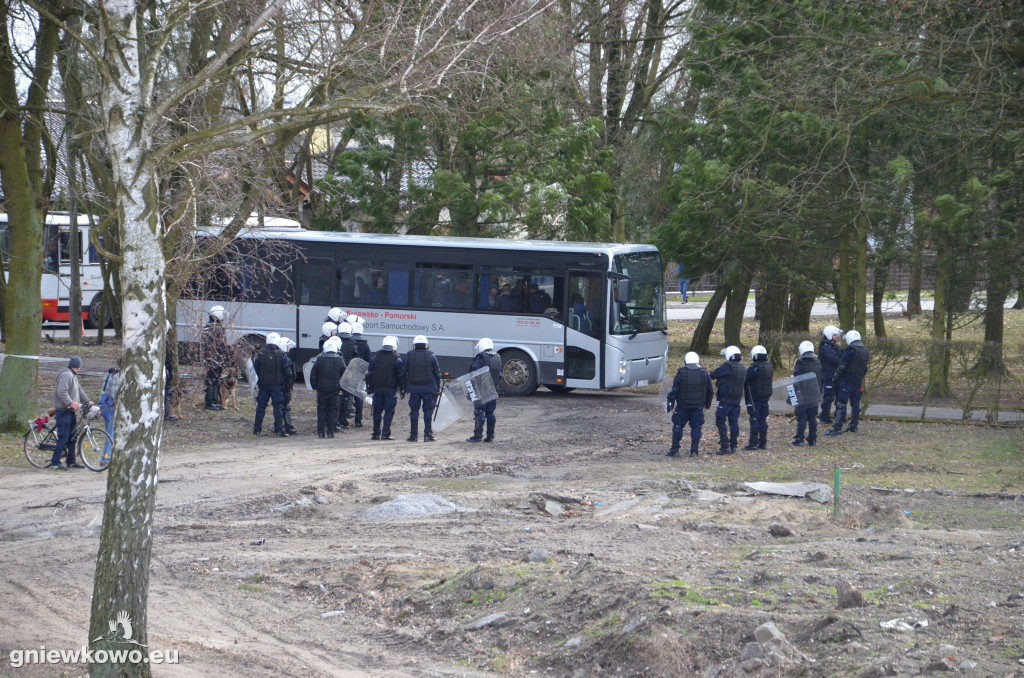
[623, 369]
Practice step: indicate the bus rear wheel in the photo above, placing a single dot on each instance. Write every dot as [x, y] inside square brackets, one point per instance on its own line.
[518, 373]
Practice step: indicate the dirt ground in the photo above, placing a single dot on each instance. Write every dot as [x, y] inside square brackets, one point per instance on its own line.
[266, 561]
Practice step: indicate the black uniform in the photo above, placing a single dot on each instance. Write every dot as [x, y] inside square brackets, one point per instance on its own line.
[423, 376]
[215, 353]
[806, 415]
[348, 351]
[849, 385]
[729, 376]
[384, 377]
[828, 355]
[271, 366]
[289, 385]
[485, 411]
[691, 394]
[325, 378]
[757, 387]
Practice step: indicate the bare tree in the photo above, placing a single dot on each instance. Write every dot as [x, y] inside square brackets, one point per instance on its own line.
[372, 57]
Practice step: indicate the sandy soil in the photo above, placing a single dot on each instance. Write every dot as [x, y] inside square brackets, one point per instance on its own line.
[648, 573]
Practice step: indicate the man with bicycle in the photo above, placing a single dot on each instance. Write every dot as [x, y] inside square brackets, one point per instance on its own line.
[68, 398]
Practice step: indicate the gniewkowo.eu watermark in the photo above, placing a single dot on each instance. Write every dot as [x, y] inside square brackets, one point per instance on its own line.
[125, 650]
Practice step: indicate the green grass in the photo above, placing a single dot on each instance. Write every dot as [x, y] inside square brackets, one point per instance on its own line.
[252, 588]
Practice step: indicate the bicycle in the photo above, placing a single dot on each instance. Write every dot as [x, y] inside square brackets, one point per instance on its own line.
[41, 441]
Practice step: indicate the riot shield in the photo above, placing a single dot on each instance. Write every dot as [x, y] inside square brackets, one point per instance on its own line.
[476, 387]
[307, 370]
[354, 379]
[802, 389]
[446, 412]
[250, 372]
[666, 386]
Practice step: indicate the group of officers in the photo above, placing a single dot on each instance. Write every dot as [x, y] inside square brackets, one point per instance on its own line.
[389, 376]
[840, 379]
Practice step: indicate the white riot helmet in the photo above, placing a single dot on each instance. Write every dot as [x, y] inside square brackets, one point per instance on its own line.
[758, 350]
[328, 329]
[852, 336]
[352, 319]
[357, 329]
[484, 344]
[273, 338]
[285, 344]
[389, 344]
[334, 314]
[805, 348]
[420, 339]
[831, 332]
[730, 352]
[344, 330]
[332, 345]
[218, 312]
[691, 358]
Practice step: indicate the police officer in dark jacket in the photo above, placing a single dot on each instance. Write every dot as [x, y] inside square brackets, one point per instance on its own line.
[287, 345]
[325, 378]
[423, 375]
[849, 383]
[757, 391]
[807, 415]
[215, 354]
[729, 376]
[487, 357]
[691, 394]
[327, 330]
[271, 365]
[348, 351]
[384, 378]
[362, 351]
[829, 353]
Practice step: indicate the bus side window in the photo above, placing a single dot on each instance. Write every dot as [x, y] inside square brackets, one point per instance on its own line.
[315, 282]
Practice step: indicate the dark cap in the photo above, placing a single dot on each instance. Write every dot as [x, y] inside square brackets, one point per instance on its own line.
[75, 362]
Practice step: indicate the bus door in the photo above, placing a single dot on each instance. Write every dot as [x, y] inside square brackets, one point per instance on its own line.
[313, 298]
[584, 330]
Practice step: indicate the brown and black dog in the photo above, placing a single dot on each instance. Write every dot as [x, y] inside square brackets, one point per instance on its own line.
[229, 387]
[176, 395]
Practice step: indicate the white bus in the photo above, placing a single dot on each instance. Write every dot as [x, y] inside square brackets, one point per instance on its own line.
[561, 314]
[56, 278]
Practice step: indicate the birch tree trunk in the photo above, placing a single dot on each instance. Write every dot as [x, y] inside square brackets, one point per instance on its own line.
[122, 566]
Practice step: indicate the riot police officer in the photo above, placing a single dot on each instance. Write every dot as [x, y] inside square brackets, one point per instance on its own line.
[829, 353]
[362, 351]
[385, 377]
[348, 351]
[729, 376]
[334, 316]
[757, 390]
[287, 345]
[849, 383]
[487, 357]
[691, 394]
[807, 415]
[215, 354]
[423, 375]
[327, 330]
[271, 366]
[325, 379]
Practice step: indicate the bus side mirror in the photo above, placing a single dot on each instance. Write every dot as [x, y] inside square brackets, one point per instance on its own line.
[622, 289]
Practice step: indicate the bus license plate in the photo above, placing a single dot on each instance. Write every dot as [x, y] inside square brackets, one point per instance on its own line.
[642, 382]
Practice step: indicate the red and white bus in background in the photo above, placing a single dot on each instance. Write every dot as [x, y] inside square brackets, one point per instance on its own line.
[56, 279]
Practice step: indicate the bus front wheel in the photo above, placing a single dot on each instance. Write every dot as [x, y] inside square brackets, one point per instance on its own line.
[518, 373]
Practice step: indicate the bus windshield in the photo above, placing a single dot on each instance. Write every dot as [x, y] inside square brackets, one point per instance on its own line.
[644, 311]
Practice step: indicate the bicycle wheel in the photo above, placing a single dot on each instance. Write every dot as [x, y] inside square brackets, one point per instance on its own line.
[40, 453]
[91, 444]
